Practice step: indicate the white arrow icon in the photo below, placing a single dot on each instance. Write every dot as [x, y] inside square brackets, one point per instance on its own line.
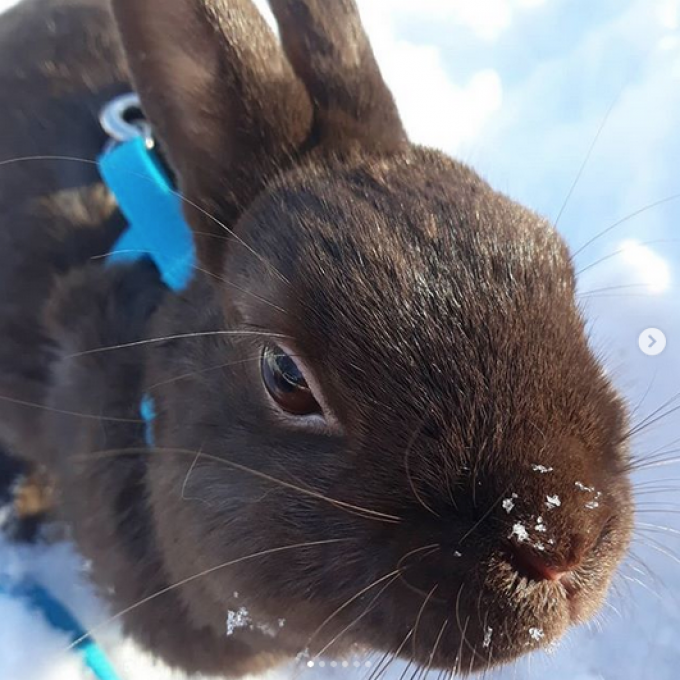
[652, 341]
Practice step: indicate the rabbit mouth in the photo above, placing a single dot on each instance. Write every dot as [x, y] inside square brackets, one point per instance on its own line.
[489, 611]
[482, 627]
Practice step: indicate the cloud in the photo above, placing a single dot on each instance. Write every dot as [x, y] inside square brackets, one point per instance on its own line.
[668, 13]
[486, 19]
[436, 110]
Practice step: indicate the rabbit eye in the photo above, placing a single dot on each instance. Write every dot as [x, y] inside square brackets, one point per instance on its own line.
[286, 384]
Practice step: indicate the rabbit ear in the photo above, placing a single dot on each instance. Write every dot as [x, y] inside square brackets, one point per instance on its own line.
[329, 50]
[222, 98]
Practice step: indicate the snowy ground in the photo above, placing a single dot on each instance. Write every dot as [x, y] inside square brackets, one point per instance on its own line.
[519, 89]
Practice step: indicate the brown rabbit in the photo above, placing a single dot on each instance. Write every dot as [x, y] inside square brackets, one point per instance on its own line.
[379, 422]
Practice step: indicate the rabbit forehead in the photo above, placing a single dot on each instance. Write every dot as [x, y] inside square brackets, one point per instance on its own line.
[400, 233]
[409, 268]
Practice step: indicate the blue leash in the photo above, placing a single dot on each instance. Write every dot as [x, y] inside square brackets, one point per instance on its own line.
[156, 228]
[59, 617]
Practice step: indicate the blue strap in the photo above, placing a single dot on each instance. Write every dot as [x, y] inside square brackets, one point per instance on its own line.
[153, 210]
[147, 410]
[55, 613]
[156, 225]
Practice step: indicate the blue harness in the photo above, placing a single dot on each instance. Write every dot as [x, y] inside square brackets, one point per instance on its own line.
[156, 225]
[152, 207]
[156, 228]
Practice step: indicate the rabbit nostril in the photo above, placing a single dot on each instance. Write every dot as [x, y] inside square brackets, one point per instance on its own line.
[536, 566]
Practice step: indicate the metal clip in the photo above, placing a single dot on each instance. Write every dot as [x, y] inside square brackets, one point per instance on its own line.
[122, 120]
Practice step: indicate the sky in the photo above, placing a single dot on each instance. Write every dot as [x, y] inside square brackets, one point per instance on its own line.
[572, 107]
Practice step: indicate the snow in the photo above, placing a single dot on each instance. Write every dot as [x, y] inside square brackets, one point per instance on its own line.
[519, 531]
[237, 619]
[518, 89]
[536, 634]
[582, 487]
[552, 502]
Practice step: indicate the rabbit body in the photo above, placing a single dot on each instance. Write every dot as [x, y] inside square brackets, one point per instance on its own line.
[435, 353]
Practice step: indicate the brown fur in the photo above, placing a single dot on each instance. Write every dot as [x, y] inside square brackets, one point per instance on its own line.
[438, 316]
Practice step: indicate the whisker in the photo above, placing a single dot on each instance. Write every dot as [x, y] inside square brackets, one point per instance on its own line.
[655, 412]
[658, 504]
[216, 367]
[623, 251]
[655, 545]
[640, 403]
[376, 670]
[657, 511]
[428, 550]
[462, 630]
[595, 292]
[358, 618]
[657, 491]
[189, 579]
[178, 336]
[627, 218]
[655, 421]
[644, 586]
[654, 456]
[212, 275]
[658, 528]
[228, 230]
[409, 447]
[402, 645]
[419, 617]
[661, 449]
[661, 463]
[250, 293]
[436, 646]
[365, 512]
[651, 482]
[65, 412]
[186, 479]
[485, 515]
[589, 153]
[387, 577]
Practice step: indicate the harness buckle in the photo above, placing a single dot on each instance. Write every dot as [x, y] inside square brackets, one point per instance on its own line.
[123, 119]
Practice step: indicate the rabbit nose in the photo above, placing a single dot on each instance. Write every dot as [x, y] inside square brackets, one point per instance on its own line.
[541, 566]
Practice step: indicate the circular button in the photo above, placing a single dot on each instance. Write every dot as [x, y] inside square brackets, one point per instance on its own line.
[652, 341]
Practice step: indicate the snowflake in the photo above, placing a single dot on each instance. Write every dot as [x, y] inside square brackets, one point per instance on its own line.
[487, 637]
[540, 525]
[582, 487]
[541, 468]
[519, 530]
[508, 504]
[237, 619]
[553, 502]
[591, 505]
[536, 634]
